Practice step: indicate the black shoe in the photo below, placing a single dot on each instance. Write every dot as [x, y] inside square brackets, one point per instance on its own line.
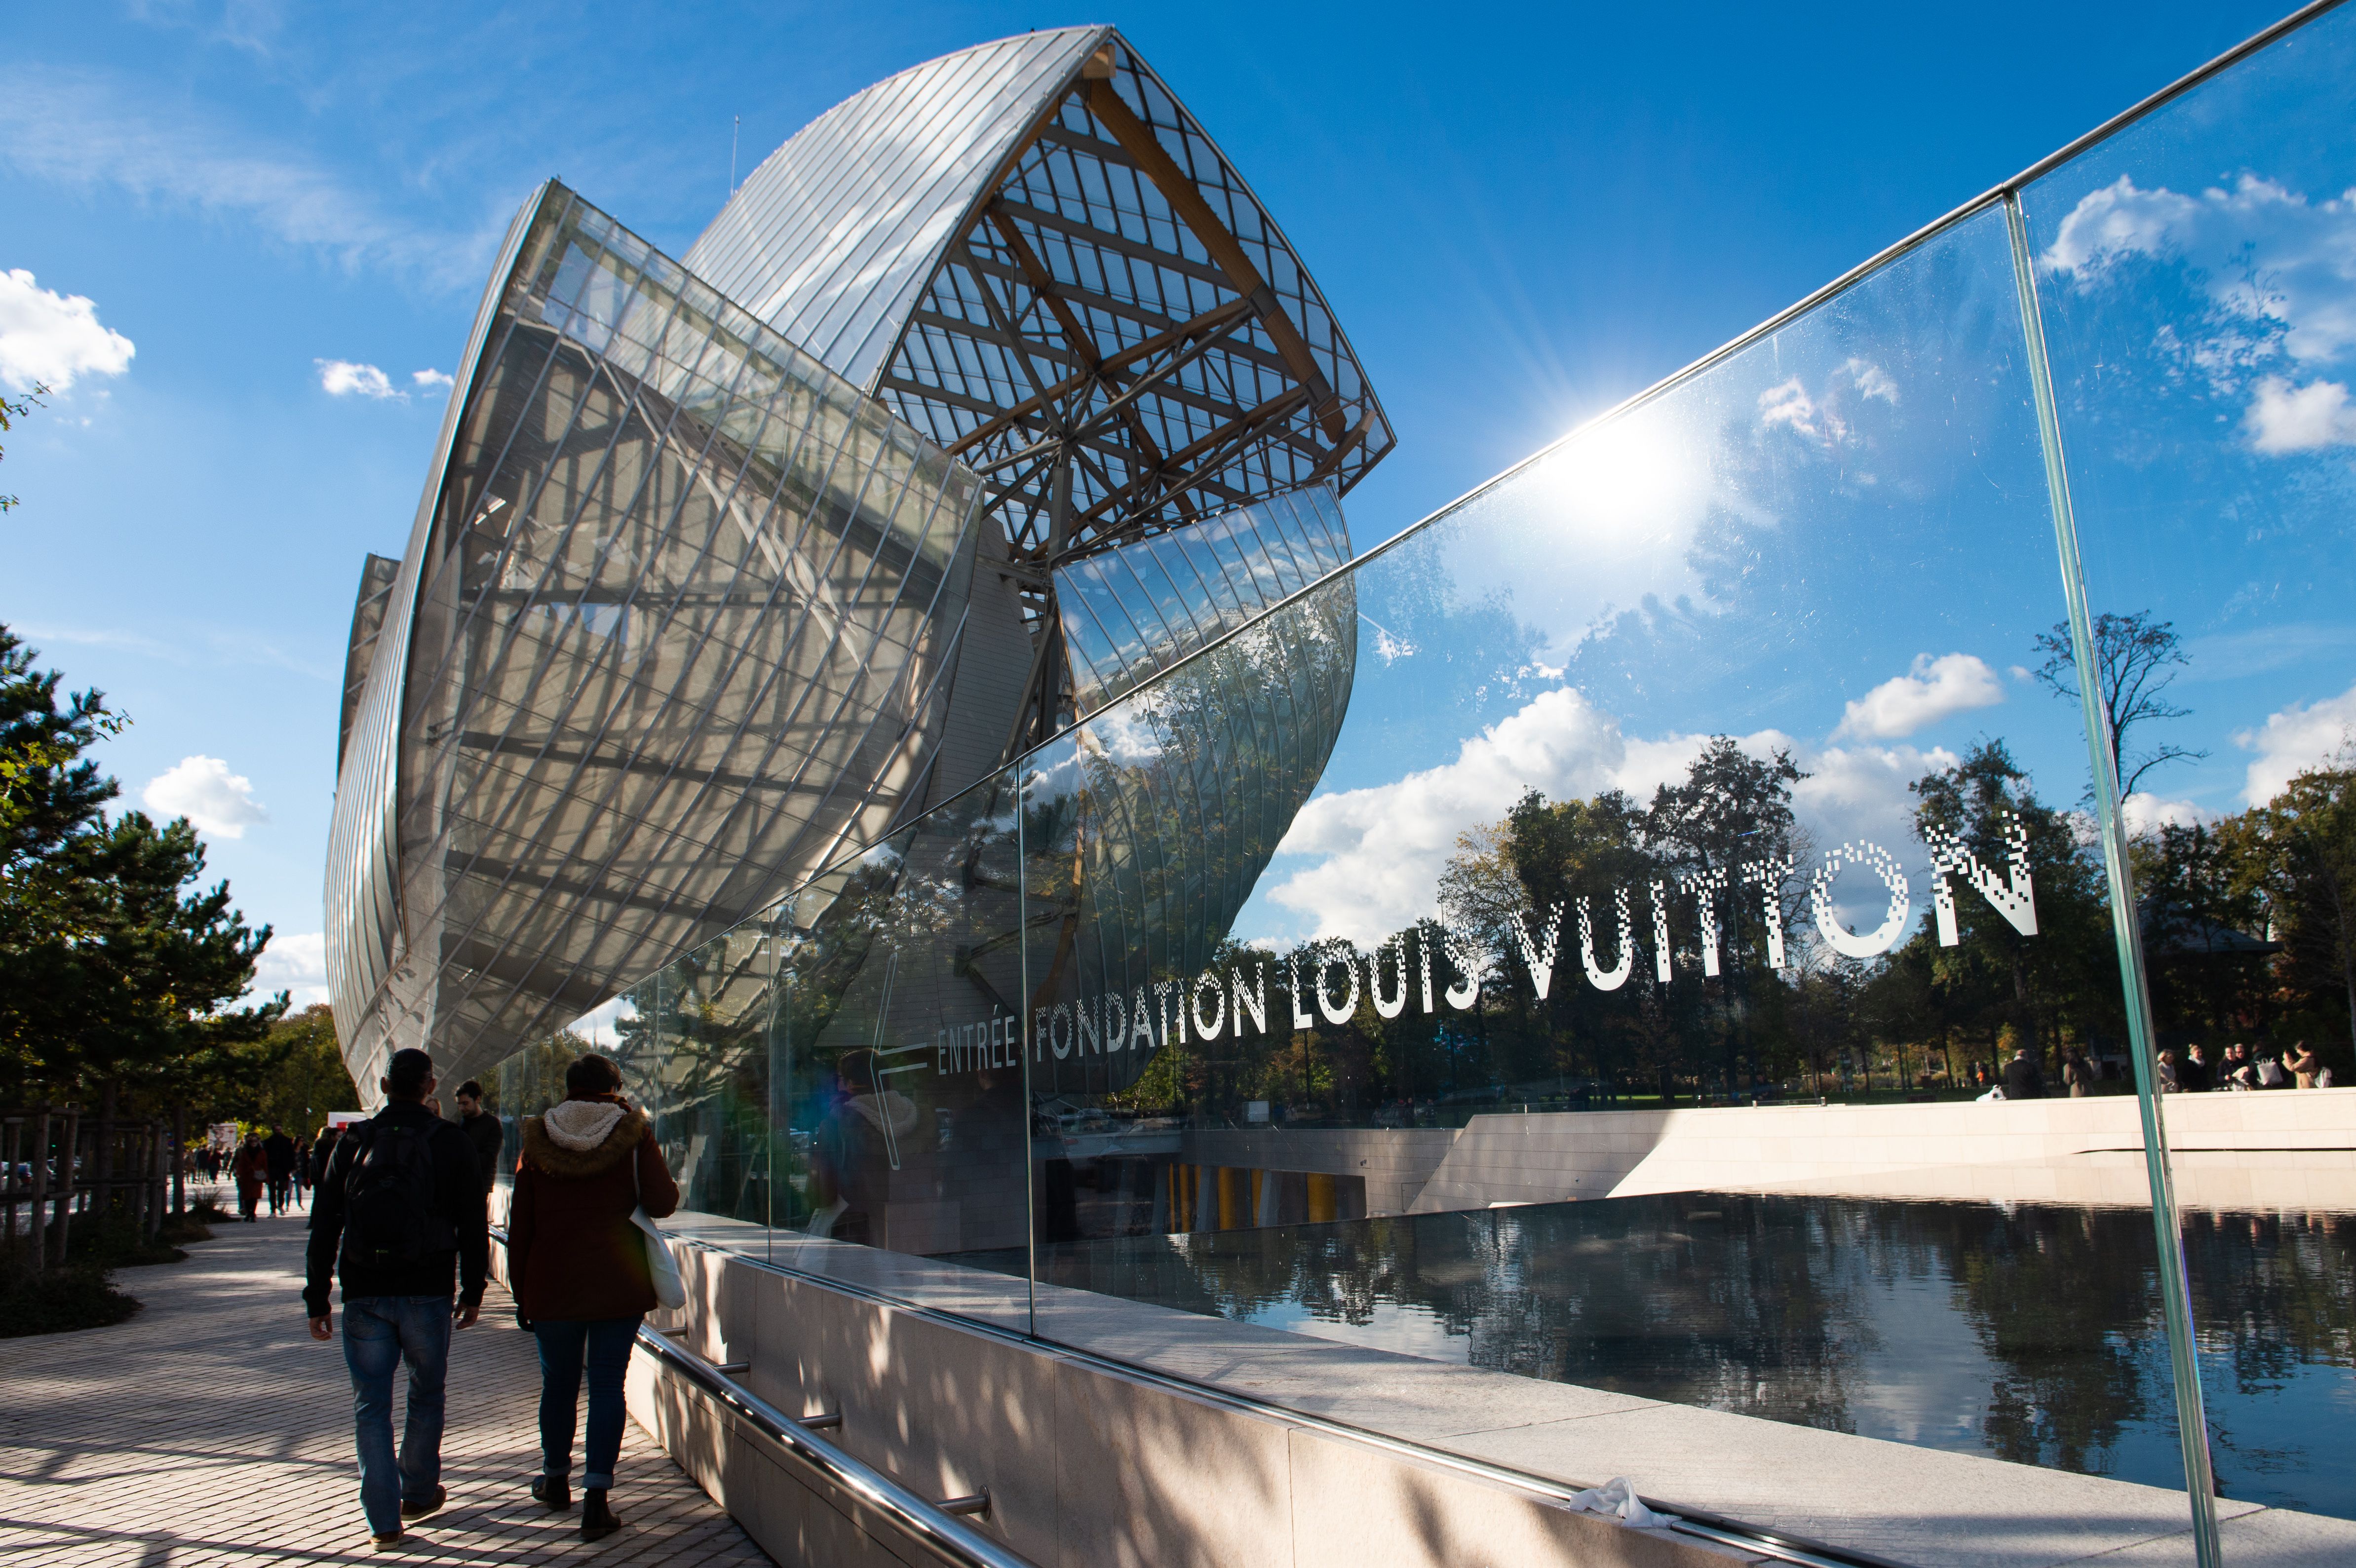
[425, 1506]
[597, 1520]
[554, 1492]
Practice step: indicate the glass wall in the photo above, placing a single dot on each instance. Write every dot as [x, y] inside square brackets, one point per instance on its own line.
[1603, 938]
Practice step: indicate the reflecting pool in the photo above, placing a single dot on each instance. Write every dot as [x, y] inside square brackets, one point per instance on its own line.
[2030, 1332]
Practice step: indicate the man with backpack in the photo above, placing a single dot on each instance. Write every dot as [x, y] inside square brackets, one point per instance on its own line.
[400, 1218]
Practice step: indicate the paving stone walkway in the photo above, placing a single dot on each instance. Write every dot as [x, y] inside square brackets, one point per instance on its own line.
[211, 1429]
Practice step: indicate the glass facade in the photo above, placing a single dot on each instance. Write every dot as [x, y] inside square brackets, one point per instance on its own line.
[1718, 804]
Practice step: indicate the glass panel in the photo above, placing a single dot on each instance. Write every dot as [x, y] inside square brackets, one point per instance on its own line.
[1573, 945]
[2198, 277]
[835, 1083]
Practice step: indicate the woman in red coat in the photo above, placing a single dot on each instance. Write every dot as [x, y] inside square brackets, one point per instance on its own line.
[578, 1267]
[251, 1168]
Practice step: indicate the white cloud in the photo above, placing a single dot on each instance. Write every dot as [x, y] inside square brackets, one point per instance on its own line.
[296, 963]
[2280, 274]
[2120, 219]
[1935, 689]
[2147, 814]
[52, 338]
[2288, 418]
[2295, 739]
[343, 379]
[203, 790]
[1787, 403]
[424, 379]
[1817, 416]
[1381, 849]
[1378, 853]
[1871, 380]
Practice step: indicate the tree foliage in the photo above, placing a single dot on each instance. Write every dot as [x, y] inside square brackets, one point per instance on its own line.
[116, 964]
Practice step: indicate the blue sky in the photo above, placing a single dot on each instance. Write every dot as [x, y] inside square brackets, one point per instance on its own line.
[1521, 216]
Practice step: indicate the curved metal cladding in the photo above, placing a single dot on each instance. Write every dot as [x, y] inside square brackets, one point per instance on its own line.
[672, 635]
[1035, 253]
[837, 233]
[1150, 825]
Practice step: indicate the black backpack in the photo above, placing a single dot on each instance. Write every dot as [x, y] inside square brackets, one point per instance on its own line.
[388, 1214]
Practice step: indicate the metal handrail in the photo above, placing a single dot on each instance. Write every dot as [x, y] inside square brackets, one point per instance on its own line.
[933, 1526]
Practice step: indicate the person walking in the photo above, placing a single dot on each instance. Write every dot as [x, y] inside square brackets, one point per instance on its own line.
[278, 1157]
[580, 1271]
[2023, 1079]
[2170, 1083]
[2077, 1072]
[2194, 1073]
[485, 1131]
[399, 1218]
[251, 1169]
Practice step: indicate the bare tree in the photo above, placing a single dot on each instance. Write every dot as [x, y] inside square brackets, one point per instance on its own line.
[2136, 661]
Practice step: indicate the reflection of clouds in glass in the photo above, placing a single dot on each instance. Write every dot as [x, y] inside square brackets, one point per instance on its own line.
[2295, 739]
[1818, 417]
[1383, 848]
[601, 1026]
[1379, 851]
[1124, 735]
[2284, 416]
[2279, 272]
[1934, 689]
[2145, 812]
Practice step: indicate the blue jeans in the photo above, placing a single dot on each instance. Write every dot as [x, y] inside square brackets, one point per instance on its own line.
[379, 1333]
[602, 1345]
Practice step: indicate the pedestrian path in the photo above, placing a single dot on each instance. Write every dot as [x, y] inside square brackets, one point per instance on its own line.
[212, 1430]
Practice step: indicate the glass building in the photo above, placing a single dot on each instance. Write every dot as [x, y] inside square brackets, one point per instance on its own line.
[900, 680]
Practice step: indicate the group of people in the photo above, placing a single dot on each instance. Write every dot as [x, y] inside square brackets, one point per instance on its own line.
[2242, 1069]
[400, 1219]
[277, 1166]
[2298, 1067]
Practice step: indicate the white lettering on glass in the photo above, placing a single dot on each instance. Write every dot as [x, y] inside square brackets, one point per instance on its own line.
[1604, 979]
[1348, 965]
[2015, 897]
[1539, 952]
[1213, 1027]
[1883, 864]
[1253, 1001]
[1397, 1005]
[1706, 885]
[1768, 877]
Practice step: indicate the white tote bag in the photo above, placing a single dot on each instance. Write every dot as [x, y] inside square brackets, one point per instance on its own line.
[670, 1289]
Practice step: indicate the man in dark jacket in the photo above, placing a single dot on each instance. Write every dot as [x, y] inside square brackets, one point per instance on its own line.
[400, 1219]
[278, 1156]
[483, 1130]
[2023, 1079]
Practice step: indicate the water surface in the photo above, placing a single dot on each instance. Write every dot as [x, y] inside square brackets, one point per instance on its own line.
[2030, 1332]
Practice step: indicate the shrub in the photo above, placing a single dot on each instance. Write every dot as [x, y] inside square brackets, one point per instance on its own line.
[81, 1296]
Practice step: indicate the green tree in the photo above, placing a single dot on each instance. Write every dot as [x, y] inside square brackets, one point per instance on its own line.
[2302, 860]
[301, 1075]
[118, 975]
[2061, 976]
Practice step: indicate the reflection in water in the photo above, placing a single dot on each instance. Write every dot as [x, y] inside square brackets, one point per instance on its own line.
[2030, 1333]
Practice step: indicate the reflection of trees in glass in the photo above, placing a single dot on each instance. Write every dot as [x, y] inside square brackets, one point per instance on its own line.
[2136, 661]
[2064, 1303]
[2059, 985]
[1780, 1306]
[2300, 855]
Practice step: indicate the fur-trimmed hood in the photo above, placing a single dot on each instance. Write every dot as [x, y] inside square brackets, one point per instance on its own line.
[551, 1158]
